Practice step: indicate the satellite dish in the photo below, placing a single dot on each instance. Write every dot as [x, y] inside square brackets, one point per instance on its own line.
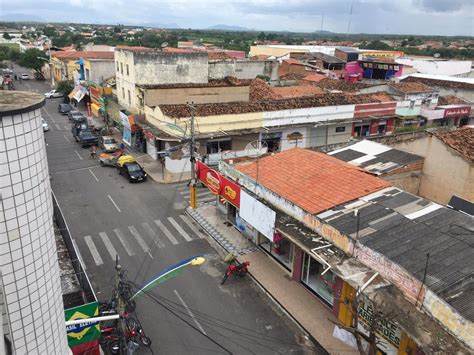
[256, 148]
[436, 55]
[164, 44]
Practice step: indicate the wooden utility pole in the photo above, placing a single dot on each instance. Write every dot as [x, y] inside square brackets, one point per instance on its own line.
[192, 185]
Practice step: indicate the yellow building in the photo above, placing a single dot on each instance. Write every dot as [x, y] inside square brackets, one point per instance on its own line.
[66, 63]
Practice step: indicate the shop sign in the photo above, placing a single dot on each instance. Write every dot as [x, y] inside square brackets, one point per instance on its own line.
[127, 135]
[84, 332]
[387, 329]
[218, 184]
[457, 111]
[295, 137]
[124, 118]
[149, 137]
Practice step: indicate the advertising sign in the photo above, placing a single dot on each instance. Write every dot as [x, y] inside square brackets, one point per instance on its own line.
[259, 216]
[218, 184]
[457, 111]
[127, 135]
[84, 332]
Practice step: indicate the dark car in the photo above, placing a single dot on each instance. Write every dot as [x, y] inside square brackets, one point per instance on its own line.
[64, 108]
[86, 138]
[76, 116]
[133, 172]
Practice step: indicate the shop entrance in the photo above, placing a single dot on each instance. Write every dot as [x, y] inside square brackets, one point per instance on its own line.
[281, 249]
[312, 278]
[361, 130]
[273, 141]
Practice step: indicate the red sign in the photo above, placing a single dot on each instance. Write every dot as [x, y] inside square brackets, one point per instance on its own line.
[375, 109]
[457, 111]
[218, 184]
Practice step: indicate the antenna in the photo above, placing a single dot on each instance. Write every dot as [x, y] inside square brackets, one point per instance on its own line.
[164, 44]
[322, 22]
[350, 18]
[255, 148]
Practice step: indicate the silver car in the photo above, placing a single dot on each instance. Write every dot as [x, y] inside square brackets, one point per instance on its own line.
[108, 144]
[45, 125]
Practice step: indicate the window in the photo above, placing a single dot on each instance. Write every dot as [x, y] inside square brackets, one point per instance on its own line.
[281, 249]
[362, 130]
[340, 129]
[88, 74]
[381, 128]
[412, 103]
[128, 73]
[129, 98]
[118, 68]
[123, 93]
[321, 285]
[121, 68]
[218, 146]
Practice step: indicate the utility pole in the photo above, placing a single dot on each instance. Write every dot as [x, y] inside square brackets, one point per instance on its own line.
[120, 307]
[51, 67]
[192, 185]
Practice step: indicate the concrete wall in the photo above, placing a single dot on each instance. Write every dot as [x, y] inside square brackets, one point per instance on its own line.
[100, 69]
[318, 135]
[445, 172]
[407, 178]
[438, 67]
[280, 50]
[243, 69]
[154, 97]
[465, 94]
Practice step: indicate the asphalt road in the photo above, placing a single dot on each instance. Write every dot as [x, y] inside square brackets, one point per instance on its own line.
[146, 226]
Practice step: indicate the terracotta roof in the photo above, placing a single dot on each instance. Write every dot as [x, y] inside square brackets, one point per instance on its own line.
[314, 77]
[83, 54]
[137, 48]
[450, 100]
[228, 81]
[341, 85]
[461, 140]
[296, 91]
[293, 62]
[218, 56]
[312, 180]
[265, 105]
[177, 50]
[441, 83]
[260, 57]
[409, 87]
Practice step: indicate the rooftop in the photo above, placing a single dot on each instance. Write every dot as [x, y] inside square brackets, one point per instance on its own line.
[341, 85]
[450, 100]
[228, 81]
[322, 181]
[405, 228]
[461, 140]
[441, 80]
[16, 102]
[375, 157]
[411, 87]
[83, 54]
[177, 50]
[218, 56]
[265, 104]
[296, 91]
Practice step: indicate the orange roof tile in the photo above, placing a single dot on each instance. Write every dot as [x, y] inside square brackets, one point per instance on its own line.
[177, 50]
[461, 140]
[314, 77]
[296, 91]
[312, 180]
[83, 54]
[218, 56]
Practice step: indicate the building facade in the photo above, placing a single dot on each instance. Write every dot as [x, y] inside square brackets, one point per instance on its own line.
[31, 284]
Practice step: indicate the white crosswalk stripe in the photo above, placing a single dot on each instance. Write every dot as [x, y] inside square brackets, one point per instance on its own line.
[179, 229]
[108, 244]
[166, 232]
[206, 199]
[124, 242]
[191, 226]
[79, 254]
[153, 235]
[93, 250]
[139, 238]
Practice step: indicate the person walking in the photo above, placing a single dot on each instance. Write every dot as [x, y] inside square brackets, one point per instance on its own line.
[93, 152]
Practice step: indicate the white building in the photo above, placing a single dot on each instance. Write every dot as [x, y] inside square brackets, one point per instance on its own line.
[33, 311]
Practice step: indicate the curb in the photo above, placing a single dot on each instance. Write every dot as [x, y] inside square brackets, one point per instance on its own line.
[263, 288]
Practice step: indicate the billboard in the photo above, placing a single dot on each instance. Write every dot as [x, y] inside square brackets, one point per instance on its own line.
[259, 216]
[218, 184]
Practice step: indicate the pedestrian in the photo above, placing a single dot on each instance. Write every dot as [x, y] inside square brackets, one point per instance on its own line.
[16, 77]
[20, 79]
[93, 152]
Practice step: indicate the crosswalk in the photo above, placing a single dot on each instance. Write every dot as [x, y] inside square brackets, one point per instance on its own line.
[203, 194]
[137, 240]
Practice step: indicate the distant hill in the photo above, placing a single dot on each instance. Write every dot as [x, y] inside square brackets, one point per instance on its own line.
[228, 28]
[21, 18]
[160, 25]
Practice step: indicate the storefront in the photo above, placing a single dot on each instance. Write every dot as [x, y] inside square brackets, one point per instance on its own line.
[321, 283]
[272, 140]
[280, 248]
[456, 115]
[150, 140]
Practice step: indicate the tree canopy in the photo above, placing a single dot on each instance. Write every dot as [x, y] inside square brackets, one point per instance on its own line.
[65, 86]
[33, 58]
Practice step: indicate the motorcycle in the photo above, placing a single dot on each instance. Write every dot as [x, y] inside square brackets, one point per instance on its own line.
[235, 267]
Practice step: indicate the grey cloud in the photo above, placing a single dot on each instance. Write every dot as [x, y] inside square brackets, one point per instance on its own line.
[445, 5]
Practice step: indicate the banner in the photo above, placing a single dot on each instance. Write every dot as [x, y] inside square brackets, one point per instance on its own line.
[218, 184]
[84, 332]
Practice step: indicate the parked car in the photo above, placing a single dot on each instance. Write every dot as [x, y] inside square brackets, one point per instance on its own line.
[45, 125]
[86, 138]
[132, 171]
[24, 76]
[76, 116]
[64, 108]
[53, 94]
[108, 144]
[77, 127]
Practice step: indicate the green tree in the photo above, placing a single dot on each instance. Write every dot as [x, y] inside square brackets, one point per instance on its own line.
[33, 58]
[6, 35]
[49, 31]
[261, 36]
[117, 29]
[378, 45]
[65, 86]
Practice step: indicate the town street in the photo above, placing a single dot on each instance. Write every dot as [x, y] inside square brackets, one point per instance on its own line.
[146, 226]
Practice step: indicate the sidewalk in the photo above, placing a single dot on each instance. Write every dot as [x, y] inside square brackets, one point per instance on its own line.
[302, 306]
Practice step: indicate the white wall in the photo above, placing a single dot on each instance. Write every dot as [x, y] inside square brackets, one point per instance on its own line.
[307, 115]
[439, 67]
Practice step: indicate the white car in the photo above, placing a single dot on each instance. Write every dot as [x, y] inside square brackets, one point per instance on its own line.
[52, 94]
[24, 76]
[45, 125]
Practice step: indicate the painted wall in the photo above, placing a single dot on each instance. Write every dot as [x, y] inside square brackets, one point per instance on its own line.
[353, 68]
[243, 69]
[445, 172]
[405, 109]
[280, 50]
[318, 134]
[438, 67]
[99, 69]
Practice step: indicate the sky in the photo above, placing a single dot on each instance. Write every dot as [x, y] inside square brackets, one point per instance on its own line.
[423, 17]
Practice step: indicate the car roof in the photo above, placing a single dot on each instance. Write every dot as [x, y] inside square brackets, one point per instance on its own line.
[64, 105]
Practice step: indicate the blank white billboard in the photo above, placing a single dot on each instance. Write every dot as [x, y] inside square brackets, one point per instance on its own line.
[257, 215]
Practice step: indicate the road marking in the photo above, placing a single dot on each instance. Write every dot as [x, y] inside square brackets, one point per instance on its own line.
[117, 207]
[92, 248]
[166, 232]
[139, 239]
[179, 229]
[190, 313]
[66, 127]
[206, 199]
[153, 235]
[108, 244]
[191, 226]
[78, 155]
[124, 242]
[57, 127]
[50, 117]
[95, 177]
[67, 140]
[79, 254]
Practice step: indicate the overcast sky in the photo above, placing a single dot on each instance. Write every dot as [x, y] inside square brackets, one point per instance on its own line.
[432, 17]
